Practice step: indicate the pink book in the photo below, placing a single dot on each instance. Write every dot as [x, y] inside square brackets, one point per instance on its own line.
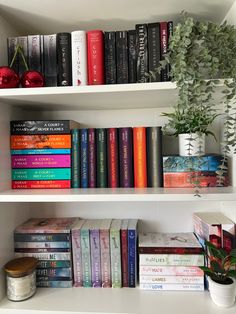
[76, 251]
[41, 161]
[105, 252]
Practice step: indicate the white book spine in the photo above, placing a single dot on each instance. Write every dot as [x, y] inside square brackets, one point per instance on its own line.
[171, 260]
[170, 270]
[79, 58]
[171, 287]
[199, 280]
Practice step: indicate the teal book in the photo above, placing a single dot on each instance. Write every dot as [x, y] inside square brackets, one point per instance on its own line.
[42, 174]
[101, 158]
[115, 248]
[75, 159]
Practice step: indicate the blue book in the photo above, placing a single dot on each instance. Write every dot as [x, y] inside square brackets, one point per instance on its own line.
[54, 272]
[42, 174]
[43, 151]
[84, 157]
[132, 252]
[75, 159]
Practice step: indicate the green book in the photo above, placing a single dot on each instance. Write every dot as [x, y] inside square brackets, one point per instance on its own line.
[101, 158]
[85, 254]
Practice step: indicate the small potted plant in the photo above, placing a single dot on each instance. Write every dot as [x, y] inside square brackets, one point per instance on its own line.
[221, 274]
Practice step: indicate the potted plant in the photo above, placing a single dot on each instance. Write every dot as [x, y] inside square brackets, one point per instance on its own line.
[221, 274]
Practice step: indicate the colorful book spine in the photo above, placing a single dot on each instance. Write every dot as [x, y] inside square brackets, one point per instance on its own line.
[41, 184]
[105, 253]
[110, 57]
[132, 252]
[79, 58]
[34, 53]
[189, 280]
[64, 75]
[95, 57]
[91, 158]
[77, 253]
[46, 151]
[169, 250]
[75, 158]
[154, 153]
[40, 141]
[54, 272]
[42, 250]
[124, 252]
[101, 149]
[50, 59]
[42, 174]
[115, 248]
[112, 158]
[170, 270]
[36, 245]
[122, 73]
[154, 51]
[53, 264]
[41, 237]
[126, 157]
[132, 56]
[142, 52]
[52, 278]
[164, 49]
[54, 284]
[12, 43]
[172, 287]
[41, 161]
[95, 254]
[171, 260]
[85, 254]
[23, 42]
[140, 160]
[46, 256]
[84, 157]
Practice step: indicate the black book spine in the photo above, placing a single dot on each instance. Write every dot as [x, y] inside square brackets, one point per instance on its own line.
[132, 56]
[11, 47]
[142, 53]
[154, 154]
[34, 53]
[50, 59]
[110, 57]
[64, 77]
[154, 51]
[122, 57]
[23, 42]
[170, 28]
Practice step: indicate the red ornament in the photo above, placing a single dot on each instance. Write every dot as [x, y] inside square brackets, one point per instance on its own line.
[32, 79]
[8, 78]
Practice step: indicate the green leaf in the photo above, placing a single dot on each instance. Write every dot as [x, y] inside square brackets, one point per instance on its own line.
[232, 273]
[233, 253]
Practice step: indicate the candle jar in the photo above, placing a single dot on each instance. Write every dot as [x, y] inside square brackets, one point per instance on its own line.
[21, 278]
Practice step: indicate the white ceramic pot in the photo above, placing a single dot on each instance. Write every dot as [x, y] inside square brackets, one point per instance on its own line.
[191, 144]
[222, 295]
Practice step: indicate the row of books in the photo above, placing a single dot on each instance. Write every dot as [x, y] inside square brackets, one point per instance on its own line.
[103, 252]
[95, 57]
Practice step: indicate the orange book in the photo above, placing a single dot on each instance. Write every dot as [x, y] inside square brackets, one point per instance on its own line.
[140, 162]
[40, 141]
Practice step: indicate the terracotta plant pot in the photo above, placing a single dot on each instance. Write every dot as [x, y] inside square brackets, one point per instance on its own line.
[222, 295]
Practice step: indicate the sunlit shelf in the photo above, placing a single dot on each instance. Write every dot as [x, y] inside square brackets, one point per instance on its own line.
[117, 301]
[119, 195]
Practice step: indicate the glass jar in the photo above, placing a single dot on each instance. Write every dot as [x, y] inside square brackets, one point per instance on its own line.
[21, 278]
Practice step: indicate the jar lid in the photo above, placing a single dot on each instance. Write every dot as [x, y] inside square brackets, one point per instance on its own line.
[20, 266]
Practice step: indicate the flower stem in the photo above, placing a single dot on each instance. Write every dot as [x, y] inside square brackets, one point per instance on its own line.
[14, 56]
[23, 58]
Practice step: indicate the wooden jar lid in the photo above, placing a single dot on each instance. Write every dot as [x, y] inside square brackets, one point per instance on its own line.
[20, 267]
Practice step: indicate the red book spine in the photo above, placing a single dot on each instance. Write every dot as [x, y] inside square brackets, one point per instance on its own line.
[41, 184]
[169, 250]
[124, 257]
[112, 158]
[140, 162]
[95, 57]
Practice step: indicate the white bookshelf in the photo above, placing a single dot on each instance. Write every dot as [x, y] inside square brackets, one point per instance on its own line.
[101, 106]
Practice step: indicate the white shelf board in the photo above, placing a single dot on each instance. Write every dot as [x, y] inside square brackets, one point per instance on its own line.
[119, 195]
[117, 96]
[113, 301]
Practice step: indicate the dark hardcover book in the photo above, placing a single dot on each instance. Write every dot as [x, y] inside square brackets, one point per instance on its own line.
[34, 53]
[110, 57]
[39, 237]
[64, 75]
[50, 59]
[132, 56]
[54, 264]
[154, 160]
[101, 158]
[84, 157]
[124, 252]
[23, 42]
[75, 158]
[154, 51]
[132, 252]
[52, 278]
[112, 158]
[170, 29]
[12, 43]
[142, 52]
[164, 49]
[32, 127]
[91, 158]
[122, 72]
[41, 250]
[126, 157]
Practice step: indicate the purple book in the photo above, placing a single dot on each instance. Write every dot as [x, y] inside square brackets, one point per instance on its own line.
[126, 157]
[95, 253]
[41, 161]
[91, 158]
